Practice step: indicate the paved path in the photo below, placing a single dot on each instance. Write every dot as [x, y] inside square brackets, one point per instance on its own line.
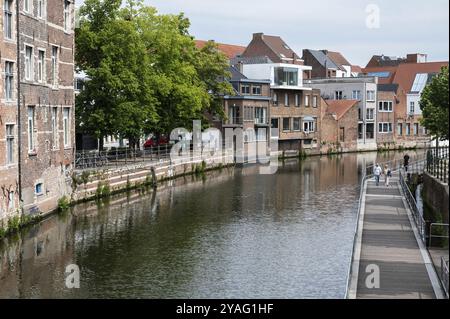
[386, 239]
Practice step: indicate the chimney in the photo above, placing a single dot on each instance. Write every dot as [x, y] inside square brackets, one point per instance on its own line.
[416, 58]
[258, 36]
[240, 66]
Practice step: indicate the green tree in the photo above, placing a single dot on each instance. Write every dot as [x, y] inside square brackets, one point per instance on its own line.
[434, 103]
[145, 73]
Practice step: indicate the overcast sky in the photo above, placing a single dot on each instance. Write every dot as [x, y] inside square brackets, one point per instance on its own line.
[404, 26]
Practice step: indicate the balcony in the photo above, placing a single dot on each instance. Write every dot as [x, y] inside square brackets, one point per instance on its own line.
[234, 121]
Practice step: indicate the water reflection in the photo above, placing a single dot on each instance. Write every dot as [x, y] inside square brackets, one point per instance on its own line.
[233, 234]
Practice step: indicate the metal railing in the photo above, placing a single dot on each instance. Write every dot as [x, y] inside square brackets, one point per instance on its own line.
[438, 163]
[444, 275]
[418, 218]
[120, 157]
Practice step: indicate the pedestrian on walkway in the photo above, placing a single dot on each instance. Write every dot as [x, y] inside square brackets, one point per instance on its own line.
[387, 174]
[377, 172]
[406, 162]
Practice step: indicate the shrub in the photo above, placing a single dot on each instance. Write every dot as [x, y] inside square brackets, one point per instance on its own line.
[63, 204]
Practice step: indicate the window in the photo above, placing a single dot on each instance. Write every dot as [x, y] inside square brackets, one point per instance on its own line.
[256, 90]
[11, 200]
[7, 24]
[385, 127]
[314, 101]
[66, 126]
[66, 15]
[412, 107]
[297, 100]
[27, 5]
[40, 9]
[55, 127]
[9, 80]
[341, 134]
[260, 115]
[308, 126]
[370, 95]
[274, 127]
[286, 124]
[286, 99]
[38, 189]
[28, 63]
[408, 129]
[416, 128]
[338, 95]
[55, 66]
[31, 129]
[275, 99]
[296, 124]
[41, 65]
[9, 143]
[419, 82]
[370, 114]
[356, 95]
[399, 129]
[306, 100]
[245, 89]
[286, 76]
[385, 106]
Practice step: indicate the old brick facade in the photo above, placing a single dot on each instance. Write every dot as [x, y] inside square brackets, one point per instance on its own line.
[39, 107]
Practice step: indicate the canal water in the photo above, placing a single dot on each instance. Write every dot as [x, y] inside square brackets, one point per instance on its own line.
[229, 234]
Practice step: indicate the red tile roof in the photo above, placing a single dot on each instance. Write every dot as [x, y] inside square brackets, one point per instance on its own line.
[356, 68]
[337, 58]
[340, 107]
[231, 51]
[405, 73]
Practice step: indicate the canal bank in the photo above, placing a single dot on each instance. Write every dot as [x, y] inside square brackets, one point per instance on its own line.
[231, 233]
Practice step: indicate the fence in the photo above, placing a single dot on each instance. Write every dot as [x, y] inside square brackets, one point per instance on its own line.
[438, 163]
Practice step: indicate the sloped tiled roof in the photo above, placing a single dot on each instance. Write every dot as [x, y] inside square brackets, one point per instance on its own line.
[405, 73]
[340, 107]
[230, 50]
[323, 59]
[280, 47]
[356, 68]
[338, 58]
[236, 75]
[387, 87]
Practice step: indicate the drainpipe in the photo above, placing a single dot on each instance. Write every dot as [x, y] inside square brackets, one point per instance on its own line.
[19, 122]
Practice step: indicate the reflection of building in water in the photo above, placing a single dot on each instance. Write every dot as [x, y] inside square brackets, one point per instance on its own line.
[33, 266]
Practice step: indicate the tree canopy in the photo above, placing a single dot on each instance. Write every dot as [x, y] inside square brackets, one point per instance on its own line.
[434, 103]
[145, 73]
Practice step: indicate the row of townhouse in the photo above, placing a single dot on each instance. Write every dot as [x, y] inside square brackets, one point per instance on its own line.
[321, 102]
[36, 104]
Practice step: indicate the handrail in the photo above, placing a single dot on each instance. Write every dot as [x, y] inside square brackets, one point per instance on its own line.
[444, 275]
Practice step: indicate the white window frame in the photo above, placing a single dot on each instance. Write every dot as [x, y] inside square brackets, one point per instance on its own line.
[282, 124]
[256, 90]
[372, 112]
[10, 138]
[412, 107]
[41, 9]
[356, 95]
[384, 127]
[29, 65]
[67, 16]
[314, 101]
[9, 80]
[54, 71]
[66, 126]
[31, 116]
[338, 95]
[41, 66]
[286, 99]
[55, 132]
[306, 100]
[27, 6]
[297, 100]
[299, 124]
[8, 17]
[382, 106]
[370, 95]
[309, 126]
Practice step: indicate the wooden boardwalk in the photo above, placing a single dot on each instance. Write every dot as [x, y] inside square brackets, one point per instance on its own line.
[387, 240]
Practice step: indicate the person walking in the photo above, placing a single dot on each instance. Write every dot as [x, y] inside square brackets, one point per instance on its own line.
[387, 174]
[406, 162]
[377, 172]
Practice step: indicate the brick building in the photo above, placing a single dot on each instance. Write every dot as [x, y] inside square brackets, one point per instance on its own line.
[339, 130]
[36, 108]
[409, 76]
[295, 110]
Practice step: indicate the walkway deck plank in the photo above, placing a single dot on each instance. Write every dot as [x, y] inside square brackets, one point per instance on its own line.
[388, 241]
